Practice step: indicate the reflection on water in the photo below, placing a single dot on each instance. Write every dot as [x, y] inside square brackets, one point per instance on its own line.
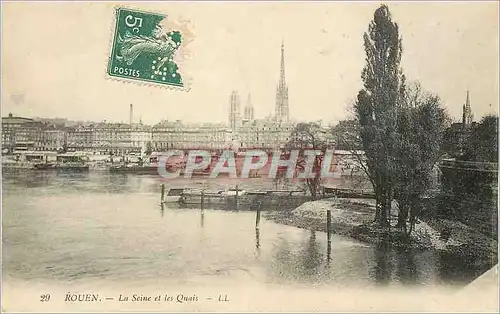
[383, 267]
[329, 250]
[85, 226]
[406, 267]
[257, 239]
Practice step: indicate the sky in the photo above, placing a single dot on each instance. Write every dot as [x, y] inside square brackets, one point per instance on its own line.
[54, 58]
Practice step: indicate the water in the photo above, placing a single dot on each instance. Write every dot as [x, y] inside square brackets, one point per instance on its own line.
[111, 228]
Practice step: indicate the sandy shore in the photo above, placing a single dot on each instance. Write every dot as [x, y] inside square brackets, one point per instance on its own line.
[354, 218]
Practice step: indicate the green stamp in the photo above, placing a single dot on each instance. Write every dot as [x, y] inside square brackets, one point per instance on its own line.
[143, 50]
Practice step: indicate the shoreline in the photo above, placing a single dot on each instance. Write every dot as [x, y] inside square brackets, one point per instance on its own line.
[353, 218]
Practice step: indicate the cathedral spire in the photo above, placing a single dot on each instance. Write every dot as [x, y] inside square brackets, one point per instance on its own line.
[282, 111]
[282, 82]
[468, 110]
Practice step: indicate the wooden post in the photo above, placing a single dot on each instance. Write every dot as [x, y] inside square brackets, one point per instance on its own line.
[162, 192]
[236, 198]
[328, 223]
[202, 199]
[257, 218]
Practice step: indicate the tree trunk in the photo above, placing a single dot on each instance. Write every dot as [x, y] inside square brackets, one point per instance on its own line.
[389, 206]
[379, 203]
[377, 210]
[383, 217]
[414, 212]
[402, 212]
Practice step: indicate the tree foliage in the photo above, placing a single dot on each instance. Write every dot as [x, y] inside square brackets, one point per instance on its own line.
[421, 124]
[309, 136]
[482, 143]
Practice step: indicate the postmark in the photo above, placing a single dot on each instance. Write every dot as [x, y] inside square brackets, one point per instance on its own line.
[145, 51]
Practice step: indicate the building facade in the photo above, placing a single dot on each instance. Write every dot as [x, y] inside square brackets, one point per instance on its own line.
[21, 134]
[264, 134]
[109, 138]
[168, 135]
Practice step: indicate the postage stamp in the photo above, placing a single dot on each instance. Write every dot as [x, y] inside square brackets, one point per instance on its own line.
[232, 156]
[143, 50]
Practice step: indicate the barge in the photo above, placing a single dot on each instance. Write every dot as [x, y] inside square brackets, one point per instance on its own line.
[233, 198]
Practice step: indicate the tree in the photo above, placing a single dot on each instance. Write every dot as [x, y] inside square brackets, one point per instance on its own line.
[309, 136]
[346, 135]
[421, 125]
[280, 179]
[383, 85]
[482, 143]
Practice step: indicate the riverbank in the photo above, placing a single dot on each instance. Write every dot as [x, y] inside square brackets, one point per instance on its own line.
[354, 218]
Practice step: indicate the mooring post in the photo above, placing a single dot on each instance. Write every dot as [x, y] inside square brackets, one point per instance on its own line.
[236, 198]
[328, 223]
[202, 199]
[162, 192]
[257, 218]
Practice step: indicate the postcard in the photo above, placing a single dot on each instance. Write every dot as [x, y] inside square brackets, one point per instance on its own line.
[231, 156]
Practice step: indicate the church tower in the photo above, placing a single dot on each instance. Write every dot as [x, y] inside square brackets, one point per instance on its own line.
[282, 109]
[234, 111]
[249, 112]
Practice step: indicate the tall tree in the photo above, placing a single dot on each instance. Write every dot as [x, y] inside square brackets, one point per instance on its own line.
[383, 85]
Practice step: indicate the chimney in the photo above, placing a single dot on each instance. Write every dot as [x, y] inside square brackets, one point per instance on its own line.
[131, 113]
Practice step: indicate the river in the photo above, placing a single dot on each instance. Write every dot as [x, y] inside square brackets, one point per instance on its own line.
[110, 229]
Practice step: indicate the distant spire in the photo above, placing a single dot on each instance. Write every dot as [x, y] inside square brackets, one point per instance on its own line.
[282, 108]
[282, 81]
[468, 110]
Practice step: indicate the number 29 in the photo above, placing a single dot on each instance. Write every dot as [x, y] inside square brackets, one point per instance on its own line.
[44, 297]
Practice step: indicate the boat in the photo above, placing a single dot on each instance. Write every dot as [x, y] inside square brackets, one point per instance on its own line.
[71, 162]
[134, 168]
[72, 167]
[195, 196]
[244, 199]
[233, 192]
[173, 195]
[44, 166]
[16, 166]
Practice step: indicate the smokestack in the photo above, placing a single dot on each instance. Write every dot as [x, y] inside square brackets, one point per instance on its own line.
[131, 113]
